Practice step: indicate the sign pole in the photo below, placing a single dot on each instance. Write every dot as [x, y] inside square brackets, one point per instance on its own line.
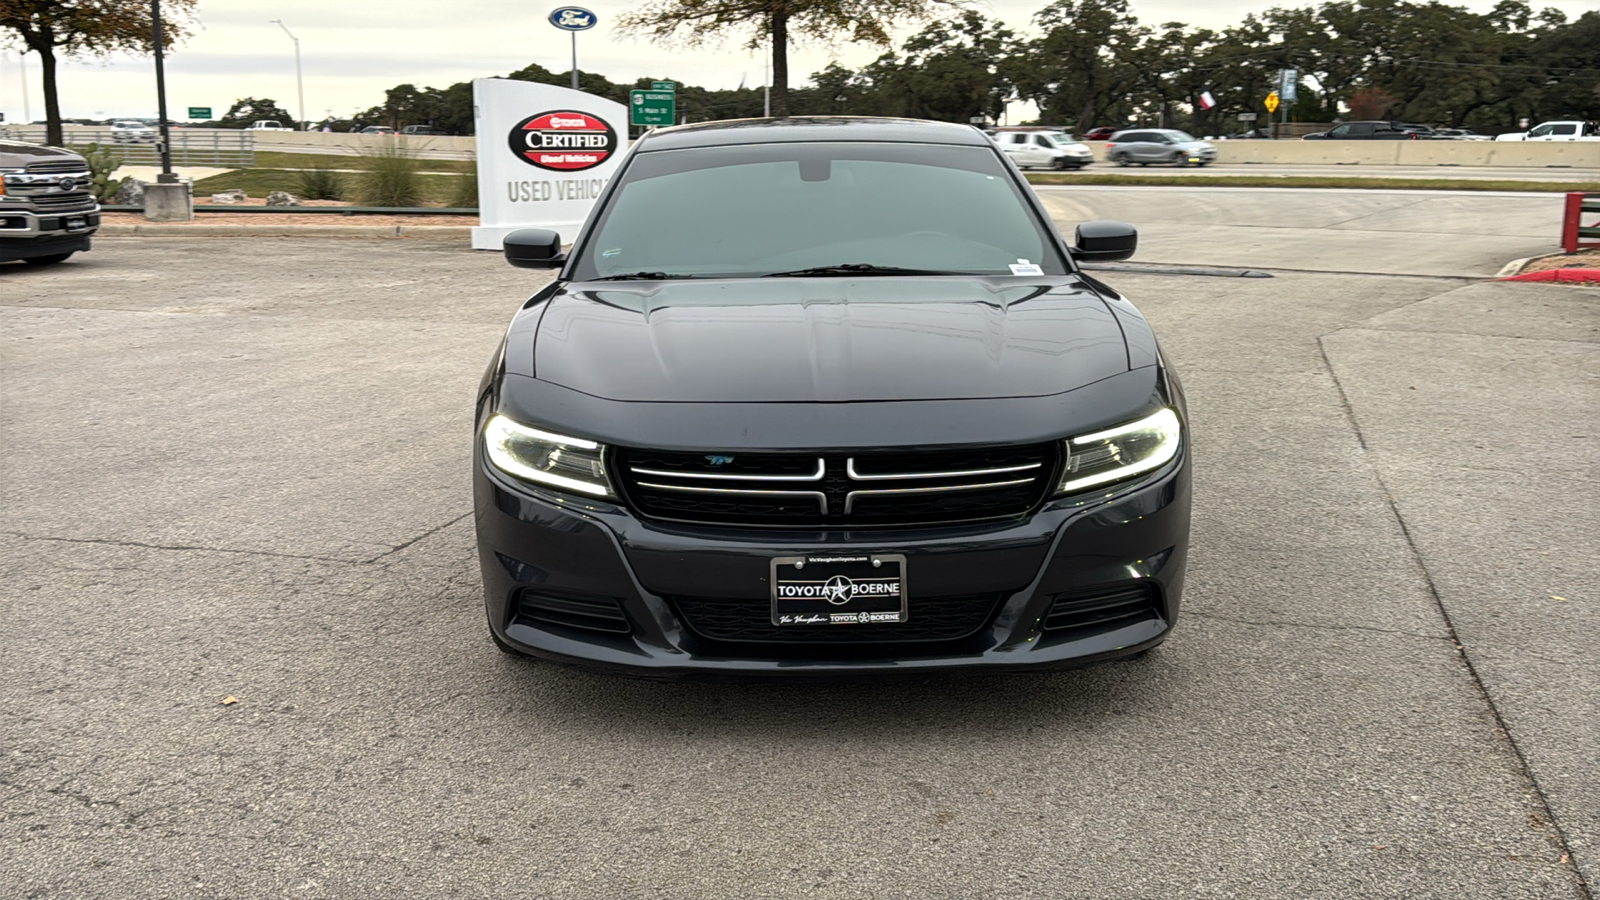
[573, 19]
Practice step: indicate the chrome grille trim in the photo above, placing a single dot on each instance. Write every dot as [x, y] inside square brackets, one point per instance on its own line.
[821, 498]
[850, 498]
[708, 476]
[850, 469]
[66, 166]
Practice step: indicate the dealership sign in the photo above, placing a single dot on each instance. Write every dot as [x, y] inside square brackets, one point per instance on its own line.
[544, 155]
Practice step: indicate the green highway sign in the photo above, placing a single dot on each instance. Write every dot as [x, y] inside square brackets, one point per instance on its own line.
[663, 85]
[652, 107]
[199, 112]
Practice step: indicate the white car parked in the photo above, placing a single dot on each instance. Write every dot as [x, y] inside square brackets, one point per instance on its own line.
[1042, 147]
[127, 131]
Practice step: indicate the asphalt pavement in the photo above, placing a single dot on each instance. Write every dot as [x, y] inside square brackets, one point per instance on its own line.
[237, 469]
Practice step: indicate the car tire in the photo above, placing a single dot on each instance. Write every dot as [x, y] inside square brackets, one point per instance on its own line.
[1120, 159]
[50, 260]
[1180, 160]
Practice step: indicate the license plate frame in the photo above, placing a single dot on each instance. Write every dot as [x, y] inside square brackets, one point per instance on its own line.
[75, 223]
[839, 589]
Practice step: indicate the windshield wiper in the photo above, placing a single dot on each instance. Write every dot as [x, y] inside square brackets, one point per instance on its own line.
[643, 276]
[854, 269]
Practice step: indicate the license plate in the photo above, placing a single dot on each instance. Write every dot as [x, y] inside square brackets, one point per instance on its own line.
[838, 590]
[76, 222]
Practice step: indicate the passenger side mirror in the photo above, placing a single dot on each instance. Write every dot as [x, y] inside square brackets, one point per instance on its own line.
[1104, 241]
[534, 248]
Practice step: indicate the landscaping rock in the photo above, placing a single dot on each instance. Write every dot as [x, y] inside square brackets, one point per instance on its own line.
[129, 193]
[283, 198]
[228, 198]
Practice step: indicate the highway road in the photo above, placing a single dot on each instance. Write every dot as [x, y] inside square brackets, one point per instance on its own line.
[237, 470]
[1475, 173]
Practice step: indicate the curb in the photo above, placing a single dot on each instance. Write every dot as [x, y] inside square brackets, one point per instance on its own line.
[1516, 265]
[157, 229]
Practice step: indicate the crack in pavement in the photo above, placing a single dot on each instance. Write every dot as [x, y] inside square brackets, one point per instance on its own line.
[1554, 832]
[180, 547]
[1315, 626]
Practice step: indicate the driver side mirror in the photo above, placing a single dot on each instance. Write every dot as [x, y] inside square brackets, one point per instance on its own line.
[1104, 241]
[534, 248]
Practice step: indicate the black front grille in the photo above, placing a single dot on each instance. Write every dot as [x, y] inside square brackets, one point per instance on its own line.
[928, 619]
[75, 166]
[1103, 609]
[801, 490]
[589, 613]
[60, 201]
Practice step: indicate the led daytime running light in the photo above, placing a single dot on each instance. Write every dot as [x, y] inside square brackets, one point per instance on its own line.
[501, 437]
[1163, 424]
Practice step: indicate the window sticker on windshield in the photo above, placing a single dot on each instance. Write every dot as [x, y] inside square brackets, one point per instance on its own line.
[612, 252]
[1023, 267]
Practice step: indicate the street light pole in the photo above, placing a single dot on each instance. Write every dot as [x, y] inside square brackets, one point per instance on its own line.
[299, 82]
[166, 176]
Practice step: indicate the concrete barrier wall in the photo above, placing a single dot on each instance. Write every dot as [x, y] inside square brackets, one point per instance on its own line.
[345, 142]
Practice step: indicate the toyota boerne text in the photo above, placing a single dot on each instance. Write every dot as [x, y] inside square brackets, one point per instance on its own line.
[828, 398]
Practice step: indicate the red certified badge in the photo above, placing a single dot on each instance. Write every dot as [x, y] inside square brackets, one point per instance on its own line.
[563, 141]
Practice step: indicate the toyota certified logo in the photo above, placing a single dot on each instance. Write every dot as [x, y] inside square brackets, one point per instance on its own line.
[563, 140]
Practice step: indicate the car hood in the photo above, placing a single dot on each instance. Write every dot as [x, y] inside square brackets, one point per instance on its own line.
[827, 339]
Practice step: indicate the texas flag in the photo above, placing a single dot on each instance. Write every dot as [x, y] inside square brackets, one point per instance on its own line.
[1206, 100]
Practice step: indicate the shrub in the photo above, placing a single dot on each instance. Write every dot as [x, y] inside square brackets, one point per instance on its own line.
[320, 183]
[391, 176]
[102, 162]
[465, 193]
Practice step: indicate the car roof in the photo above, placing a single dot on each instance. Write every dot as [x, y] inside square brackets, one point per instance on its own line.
[813, 128]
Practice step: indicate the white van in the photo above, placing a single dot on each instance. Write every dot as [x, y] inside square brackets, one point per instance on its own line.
[269, 125]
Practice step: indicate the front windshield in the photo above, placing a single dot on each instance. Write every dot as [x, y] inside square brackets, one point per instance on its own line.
[762, 209]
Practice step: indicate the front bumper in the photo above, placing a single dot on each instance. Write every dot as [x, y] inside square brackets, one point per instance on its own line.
[1030, 577]
[26, 224]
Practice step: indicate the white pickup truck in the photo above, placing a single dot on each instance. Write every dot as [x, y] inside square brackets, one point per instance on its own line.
[1569, 130]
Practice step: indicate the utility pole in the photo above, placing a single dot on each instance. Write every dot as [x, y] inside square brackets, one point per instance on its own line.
[300, 84]
[27, 111]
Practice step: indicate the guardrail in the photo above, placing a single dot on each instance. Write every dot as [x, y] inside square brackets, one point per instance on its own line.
[1573, 231]
[223, 147]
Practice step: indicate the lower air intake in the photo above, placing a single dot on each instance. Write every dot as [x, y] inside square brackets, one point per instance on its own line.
[588, 613]
[1103, 609]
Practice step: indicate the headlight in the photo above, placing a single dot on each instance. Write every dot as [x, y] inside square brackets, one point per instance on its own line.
[568, 463]
[1121, 452]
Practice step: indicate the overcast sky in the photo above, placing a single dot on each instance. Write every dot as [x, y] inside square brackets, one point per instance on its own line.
[354, 49]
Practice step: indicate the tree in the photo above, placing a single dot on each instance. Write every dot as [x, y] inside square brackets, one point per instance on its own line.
[950, 71]
[249, 109]
[696, 22]
[1078, 72]
[67, 28]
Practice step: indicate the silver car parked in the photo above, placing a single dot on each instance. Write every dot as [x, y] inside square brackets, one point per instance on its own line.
[1158, 145]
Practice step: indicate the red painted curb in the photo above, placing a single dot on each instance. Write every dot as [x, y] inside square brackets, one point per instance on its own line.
[1580, 275]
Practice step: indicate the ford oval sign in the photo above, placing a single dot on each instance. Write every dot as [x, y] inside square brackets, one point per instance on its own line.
[573, 18]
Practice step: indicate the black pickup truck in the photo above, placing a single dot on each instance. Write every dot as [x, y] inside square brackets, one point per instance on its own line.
[1372, 131]
[47, 209]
